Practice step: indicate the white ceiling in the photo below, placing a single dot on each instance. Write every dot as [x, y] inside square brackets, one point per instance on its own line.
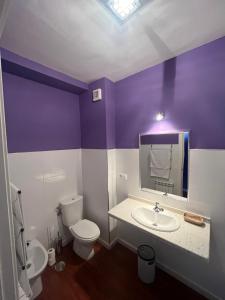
[82, 39]
[4, 10]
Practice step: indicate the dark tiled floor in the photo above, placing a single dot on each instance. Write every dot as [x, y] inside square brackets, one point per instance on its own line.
[109, 275]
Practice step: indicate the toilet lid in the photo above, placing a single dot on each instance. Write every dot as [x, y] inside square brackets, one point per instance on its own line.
[85, 229]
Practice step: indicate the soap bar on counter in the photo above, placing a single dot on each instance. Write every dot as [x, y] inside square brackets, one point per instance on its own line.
[194, 219]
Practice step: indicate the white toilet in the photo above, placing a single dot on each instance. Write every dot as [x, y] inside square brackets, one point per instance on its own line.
[85, 232]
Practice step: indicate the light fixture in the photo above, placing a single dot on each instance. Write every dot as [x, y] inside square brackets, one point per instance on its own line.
[160, 116]
[123, 9]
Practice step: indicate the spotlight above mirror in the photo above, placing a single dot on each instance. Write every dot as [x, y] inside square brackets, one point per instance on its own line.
[160, 116]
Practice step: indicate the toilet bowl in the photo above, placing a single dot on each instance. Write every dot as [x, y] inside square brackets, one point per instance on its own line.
[84, 232]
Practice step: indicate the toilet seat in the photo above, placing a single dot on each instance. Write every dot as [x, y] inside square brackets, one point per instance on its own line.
[85, 230]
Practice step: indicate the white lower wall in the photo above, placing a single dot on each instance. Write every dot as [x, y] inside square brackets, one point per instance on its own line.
[95, 187]
[206, 196]
[44, 177]
[112, 192]
[99, 185]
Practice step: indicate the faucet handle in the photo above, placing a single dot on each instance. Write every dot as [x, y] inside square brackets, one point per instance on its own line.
[157, 208]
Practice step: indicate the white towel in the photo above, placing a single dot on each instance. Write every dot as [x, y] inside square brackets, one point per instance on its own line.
[160, 163]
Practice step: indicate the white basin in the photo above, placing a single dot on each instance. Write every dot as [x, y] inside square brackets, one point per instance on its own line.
[162, 221]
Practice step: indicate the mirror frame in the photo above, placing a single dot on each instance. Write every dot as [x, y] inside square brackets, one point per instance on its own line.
[159, 192]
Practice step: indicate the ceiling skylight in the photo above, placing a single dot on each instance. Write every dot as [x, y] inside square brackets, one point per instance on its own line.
[123, 8]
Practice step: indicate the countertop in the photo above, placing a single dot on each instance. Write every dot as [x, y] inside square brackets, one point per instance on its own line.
[192, 238]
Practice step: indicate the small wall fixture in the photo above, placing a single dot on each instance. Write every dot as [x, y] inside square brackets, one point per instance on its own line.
[97, 95]
[160, 116]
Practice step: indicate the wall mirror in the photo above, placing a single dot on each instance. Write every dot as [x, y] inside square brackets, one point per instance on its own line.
[164, 160]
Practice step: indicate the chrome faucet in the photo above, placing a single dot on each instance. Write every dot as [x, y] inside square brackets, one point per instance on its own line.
[157, 209]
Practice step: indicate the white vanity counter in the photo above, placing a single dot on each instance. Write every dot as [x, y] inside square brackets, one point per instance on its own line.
[192, 238]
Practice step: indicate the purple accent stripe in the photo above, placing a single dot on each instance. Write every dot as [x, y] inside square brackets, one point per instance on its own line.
[17, 65]
[163, 139]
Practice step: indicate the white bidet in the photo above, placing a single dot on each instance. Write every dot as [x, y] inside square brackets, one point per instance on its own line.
[37, 261]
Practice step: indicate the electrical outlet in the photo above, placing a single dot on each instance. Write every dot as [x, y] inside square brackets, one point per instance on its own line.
[123, 176]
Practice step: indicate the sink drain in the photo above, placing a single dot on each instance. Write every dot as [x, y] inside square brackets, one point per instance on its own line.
[60, 266]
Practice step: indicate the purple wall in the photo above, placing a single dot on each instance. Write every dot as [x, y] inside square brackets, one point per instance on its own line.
[190, 89]
[98, 118]
[93, 118]
[39, 117]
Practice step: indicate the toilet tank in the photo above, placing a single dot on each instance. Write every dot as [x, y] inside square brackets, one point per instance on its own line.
[72, 209]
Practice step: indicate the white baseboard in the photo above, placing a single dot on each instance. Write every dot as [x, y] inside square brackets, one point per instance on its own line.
[106, 244]
[127, 245]
[204, 292]
[193, 285]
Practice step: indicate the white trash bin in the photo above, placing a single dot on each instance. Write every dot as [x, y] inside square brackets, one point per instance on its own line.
[146, 263]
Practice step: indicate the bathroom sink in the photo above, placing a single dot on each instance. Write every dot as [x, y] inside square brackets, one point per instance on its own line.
[161, 221]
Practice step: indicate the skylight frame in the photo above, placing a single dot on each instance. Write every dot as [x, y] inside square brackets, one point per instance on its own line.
[114, 14]
[112, 5]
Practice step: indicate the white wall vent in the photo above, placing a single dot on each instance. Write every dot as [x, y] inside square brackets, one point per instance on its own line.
[97, 95]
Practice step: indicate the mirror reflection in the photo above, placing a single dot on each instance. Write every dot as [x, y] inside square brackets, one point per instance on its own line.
[164, 162]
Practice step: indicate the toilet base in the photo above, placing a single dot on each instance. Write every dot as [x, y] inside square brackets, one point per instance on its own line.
[85, 251]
